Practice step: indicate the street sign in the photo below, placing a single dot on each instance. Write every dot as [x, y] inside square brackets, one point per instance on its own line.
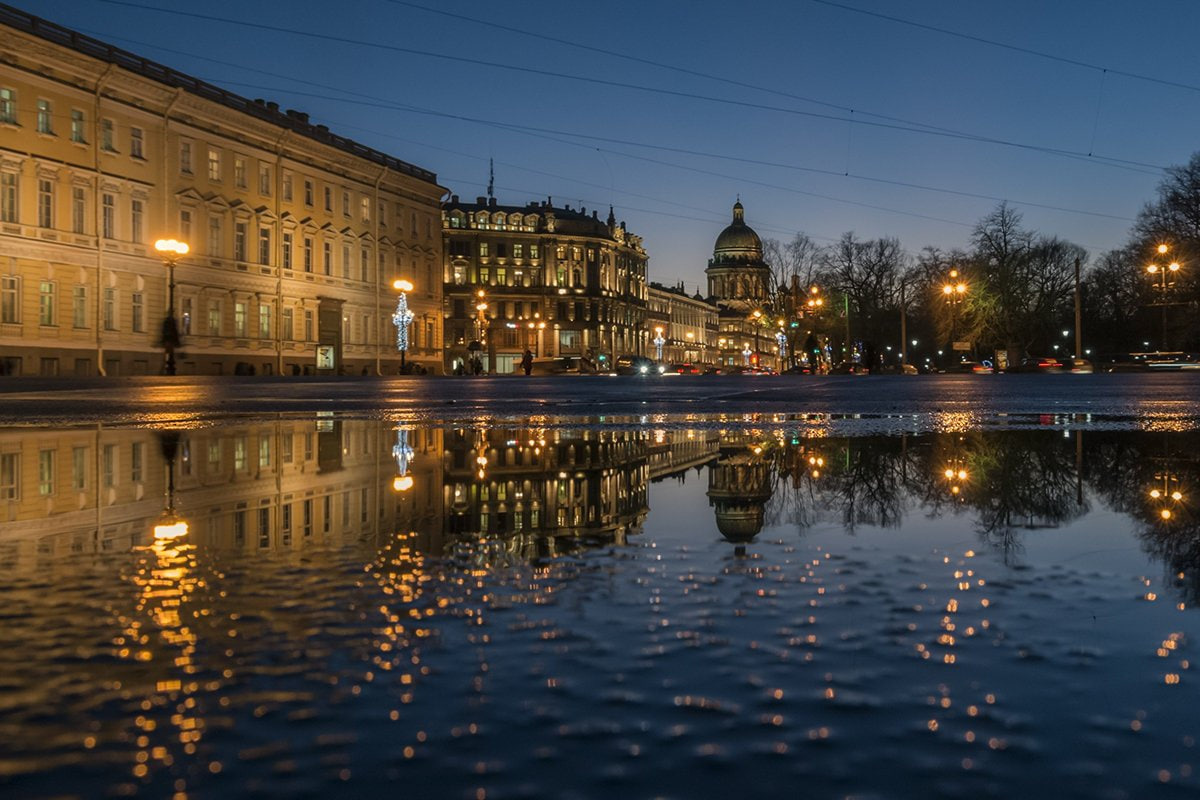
[962, 345]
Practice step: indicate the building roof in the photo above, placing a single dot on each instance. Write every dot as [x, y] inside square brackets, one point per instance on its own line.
[268, 112]
[567, 220]
[738, 242]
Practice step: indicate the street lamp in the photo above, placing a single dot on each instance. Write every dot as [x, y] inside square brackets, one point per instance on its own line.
[402, 319]
[171, 251]
[953, 291]
[170, 525]
[658, 342]
[1163, 276]
[402, 451]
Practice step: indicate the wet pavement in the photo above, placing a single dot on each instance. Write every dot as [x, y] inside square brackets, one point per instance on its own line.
[634, 607]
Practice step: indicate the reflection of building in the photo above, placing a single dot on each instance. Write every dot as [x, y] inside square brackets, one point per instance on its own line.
[533, 485]
[584, 277]
[739, 281]
[673, 452]
[296, 233]
[689, 324]
[740, 484]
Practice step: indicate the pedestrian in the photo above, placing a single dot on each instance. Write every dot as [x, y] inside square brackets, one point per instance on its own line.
[527, 361]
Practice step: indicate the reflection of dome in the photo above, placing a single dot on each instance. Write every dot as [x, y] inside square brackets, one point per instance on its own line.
[739, 523]
[738, 240]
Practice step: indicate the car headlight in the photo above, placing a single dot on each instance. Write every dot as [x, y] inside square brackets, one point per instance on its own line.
[642, 369]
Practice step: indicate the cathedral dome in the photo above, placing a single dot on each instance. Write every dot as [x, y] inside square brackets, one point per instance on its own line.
[738, 240]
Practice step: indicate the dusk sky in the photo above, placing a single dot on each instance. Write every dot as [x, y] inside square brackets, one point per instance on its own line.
[748, 99]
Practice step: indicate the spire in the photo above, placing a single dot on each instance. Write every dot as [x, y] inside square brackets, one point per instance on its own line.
[612, 218]
[491, 179]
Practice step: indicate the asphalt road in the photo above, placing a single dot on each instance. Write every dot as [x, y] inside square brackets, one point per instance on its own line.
[1167, 400]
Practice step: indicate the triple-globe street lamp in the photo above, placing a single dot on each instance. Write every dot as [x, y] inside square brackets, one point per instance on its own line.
[954, 290]
[1163, 275]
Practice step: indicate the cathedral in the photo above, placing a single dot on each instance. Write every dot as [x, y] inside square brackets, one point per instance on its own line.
[739, 282]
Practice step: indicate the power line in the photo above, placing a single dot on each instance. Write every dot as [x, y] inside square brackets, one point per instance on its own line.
[1004, 45]
[1105, 160]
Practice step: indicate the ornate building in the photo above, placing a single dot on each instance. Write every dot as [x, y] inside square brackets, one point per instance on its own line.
[552, 280]
[295, 233]
[689, 325]
[739, 282]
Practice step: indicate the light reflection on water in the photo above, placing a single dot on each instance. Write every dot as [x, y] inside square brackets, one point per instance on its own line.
[536, 611]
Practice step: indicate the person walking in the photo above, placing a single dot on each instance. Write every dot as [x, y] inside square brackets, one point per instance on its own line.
[527, 361]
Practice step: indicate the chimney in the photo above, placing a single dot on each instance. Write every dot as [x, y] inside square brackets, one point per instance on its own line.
[481, 201]
[273, 106]
[454, 199]
[323, 128]
[491, 202]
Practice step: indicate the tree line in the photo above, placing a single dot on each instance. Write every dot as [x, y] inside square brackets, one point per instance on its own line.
[1019, 284]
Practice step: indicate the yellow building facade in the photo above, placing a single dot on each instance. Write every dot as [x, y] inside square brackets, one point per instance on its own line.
[296, 234]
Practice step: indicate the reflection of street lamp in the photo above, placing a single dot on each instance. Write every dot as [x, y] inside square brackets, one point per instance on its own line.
[170, 525]
[658, 342]
[1167, 496]
[402, 452]
[170, 250]
[956, 473]
[402, 318]
[1164, 278]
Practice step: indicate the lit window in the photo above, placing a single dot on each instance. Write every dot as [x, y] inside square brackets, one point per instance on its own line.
[185, 157]
[47, 301]
[139, 312]
[44, 117]
[45, 203]
[8, 197]
[136, 143]
[239, 172]
[136, 215]
[107, 136]
[78, 209]
[10, 294]
[214, 164]
[77, 126]
[264, 246]
[108, 216]
[8, 106]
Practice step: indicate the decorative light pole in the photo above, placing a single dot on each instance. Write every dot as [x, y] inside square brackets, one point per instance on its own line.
[953, 290]
[658, 342]
[402, 319]
[1163, 276]
[171, 251]
[403, 453]
[747, 352]
[781, 341]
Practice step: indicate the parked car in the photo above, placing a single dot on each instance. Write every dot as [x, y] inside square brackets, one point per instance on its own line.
[683, 369]
[970, 368]
[637, 365]
[849, 368]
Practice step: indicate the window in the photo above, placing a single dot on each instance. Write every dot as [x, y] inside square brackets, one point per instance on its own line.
[264, 180]
[264, 527]
[239, 319]
[382, 215]
[185, 158]
[8, 197]
[239, 527]
[139, 311]
[10, 305]
[79, 307]
[328, 199]
[45, 472]
[308, 325]
[365, 208]
[136, 216]
[576, 253]
[77, 126]
[288, 326]
[135, 462]
[364, 265]
[214, 237]
[264, 452]
[308, 193]
[328, 254]
[264, 321]
[533, 251]
[483, 249]
[346, 261]
[108, 466]
[264, 246]
[239, 241]
[78, 209]
[186, 317]
[45, 203]
[185, 224]
[8, 106]
[10, 476]
[214, 317]
[239, 172]
[286, 452]
[44, 117]
[308, 253]
[136, 143]
[214, 164]
[79, 468]
[287, 186]
[239, 454]
[108, 216]
[109, 309]
[107, 136]
[518, 250]
[345, 204]
[47, 296]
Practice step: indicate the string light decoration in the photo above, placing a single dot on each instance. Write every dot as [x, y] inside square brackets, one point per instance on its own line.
[402, 451]
[402, 318]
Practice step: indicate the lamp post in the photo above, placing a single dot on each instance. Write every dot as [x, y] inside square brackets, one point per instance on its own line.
[402, 318]
[658, 342]
[170, 525]
[953, 290]
[758, 322]
[170, 250]
[1163, 276]
[747, 352]
[781, 342]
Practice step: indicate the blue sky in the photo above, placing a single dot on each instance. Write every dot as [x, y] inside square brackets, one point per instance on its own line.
[798, 165]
